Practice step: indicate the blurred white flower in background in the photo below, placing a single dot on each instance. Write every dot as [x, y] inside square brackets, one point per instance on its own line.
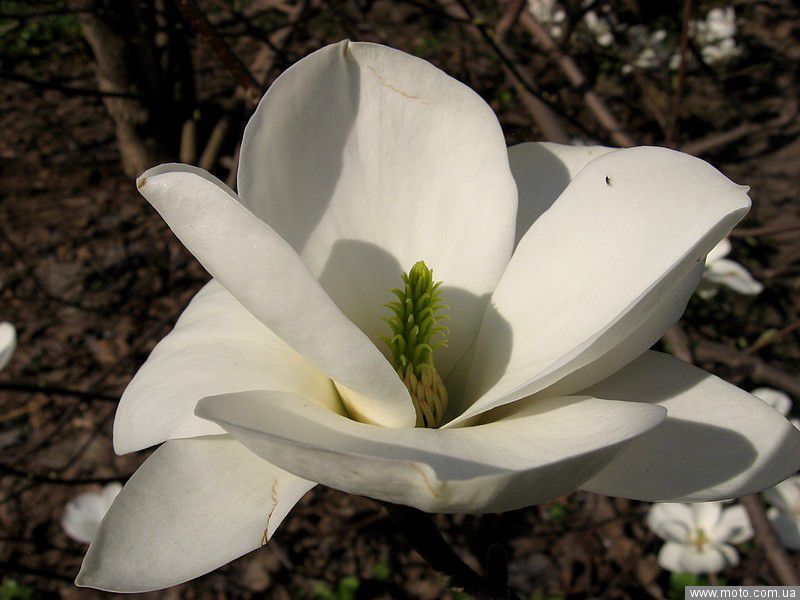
[550, 14]
[724, 271]
[699, 536]
[599, 27]
[715, 35]
[83, 513]
[650, 48]
[8, 343]
[784, 515]
[775, 398]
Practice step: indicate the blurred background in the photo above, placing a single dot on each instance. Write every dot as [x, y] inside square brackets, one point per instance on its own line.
[92, 92]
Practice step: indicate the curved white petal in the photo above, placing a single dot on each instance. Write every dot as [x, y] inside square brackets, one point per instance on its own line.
[83, 514]
[266, 275]
[671, 557]
[216, 347]
[672, 522]
[685, 558]
[529, 457]
[8, 343]
[626, 347]
[706, 514]
[775, 398]
[542, 171]
[733, 526]
[721, 250]
[668, 311]
[194, 505]
[785, 496]
[733, 275]
[718, 441]
[366, 160]
[786, 527]
[594, 268]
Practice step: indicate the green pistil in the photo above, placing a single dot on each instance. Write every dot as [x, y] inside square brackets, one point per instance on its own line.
[416, 333]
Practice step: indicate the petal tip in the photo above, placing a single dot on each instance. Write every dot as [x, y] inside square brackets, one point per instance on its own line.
[82, 579]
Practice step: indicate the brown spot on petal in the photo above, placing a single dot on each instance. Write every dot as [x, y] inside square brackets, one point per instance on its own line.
[274, 491]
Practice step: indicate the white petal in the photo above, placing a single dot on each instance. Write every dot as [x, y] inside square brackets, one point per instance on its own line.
[733, 275]
[83, 513]
[266, 275]
[366, 160]
[719, 251]
[215, 348]
[786, 527]
[718, 441]
[672, 522]
[685, 558]
[193, 506]
[671, 556]
[776, 399]
[8, 343]
[529, 457]
[785, 496]
[542, 171]
[733, 526]
[667, 312]
[706, 514]
[594, 268]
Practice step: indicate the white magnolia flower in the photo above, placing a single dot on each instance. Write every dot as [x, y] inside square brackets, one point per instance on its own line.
[83, 514]
[562, 266]
[775, 398]
[549, 13]
[8, 343]
[716, 35]
[599, 28]
[724, 271]
[784, 514]
[651, 49]
[699, 536]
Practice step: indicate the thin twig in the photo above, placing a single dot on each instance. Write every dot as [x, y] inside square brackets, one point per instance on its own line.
[719, 140]
[544, 117]
[38, 84]
[211, 152]
[32, 388]
[677, 99]
[753, 366]
[199, 23]
[578, 80]
[678, 343]
[766, 230]
[759, 345]
[541, 111]
[766, 539]
[47, 478]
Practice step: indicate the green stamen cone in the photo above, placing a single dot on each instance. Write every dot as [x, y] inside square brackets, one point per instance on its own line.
[414, 324]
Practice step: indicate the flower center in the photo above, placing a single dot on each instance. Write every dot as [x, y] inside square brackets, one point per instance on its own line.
[415, 319]
[699, 539]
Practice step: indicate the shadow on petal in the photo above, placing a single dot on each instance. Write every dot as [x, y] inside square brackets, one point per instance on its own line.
[686, 445]
[322, 93]
[545, 190]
